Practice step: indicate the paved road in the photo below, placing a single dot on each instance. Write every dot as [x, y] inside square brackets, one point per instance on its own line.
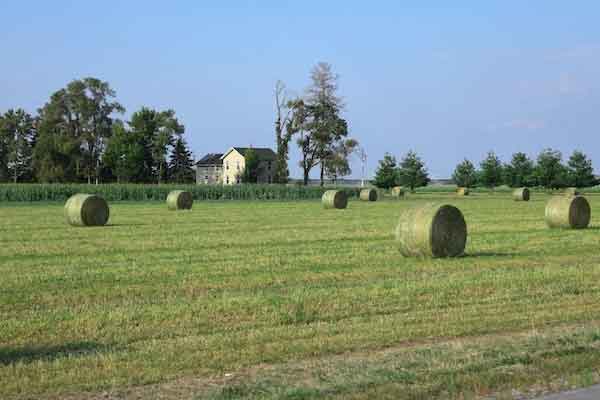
[591, 393]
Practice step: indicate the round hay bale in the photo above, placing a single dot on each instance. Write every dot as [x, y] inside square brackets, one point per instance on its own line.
[521, 194]
[568, 212]
[368, 195]
[432, 230]
[335, 199]
[180, 200]
[571, 191]
[86, 210]
[463, 191]
[398, 191]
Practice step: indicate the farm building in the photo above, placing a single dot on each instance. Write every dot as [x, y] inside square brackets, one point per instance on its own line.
[209, 170]
[234, 162]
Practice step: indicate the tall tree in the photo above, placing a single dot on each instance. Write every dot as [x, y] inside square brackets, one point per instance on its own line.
[81, 113]
[157, 132]
[580, 170]
[17, 130]
[520, 171]
[57, 153]
[549, 171]
[412, 172]
[284, 131]
[491, 171]
[4, 140]
[124, 153]
[386, 175]
[464, 174]
[322, 129]
[181, 165]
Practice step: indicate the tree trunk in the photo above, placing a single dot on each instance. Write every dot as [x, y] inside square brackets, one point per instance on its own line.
[322, 175]
[306, 172]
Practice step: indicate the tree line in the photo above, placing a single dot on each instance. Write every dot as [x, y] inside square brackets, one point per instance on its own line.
[410, 173]
[547, 171]
[77, 137]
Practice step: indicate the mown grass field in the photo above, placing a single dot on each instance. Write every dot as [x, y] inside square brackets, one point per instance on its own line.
[287, 300]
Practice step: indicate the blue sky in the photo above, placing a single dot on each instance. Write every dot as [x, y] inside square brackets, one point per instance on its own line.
[448, 81]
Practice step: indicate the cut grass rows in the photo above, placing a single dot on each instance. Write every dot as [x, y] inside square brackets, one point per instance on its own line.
[157, 296]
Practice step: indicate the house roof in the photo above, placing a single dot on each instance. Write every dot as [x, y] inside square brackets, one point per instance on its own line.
[211, 159]
[263, 153]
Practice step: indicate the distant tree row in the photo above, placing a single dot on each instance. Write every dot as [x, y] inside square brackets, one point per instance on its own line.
[76, 137]
[547, 171]
[410, 173]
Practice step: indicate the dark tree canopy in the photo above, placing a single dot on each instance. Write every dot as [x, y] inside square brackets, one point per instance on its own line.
[549, 171]
[580, 170]
[124, 154]
[412, 172]
[520, 171]
[386, 175]
[181, 164]
[251, 167]
[491, 171]
[464, 174]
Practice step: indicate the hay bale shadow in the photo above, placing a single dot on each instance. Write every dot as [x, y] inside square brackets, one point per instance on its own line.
[29, 354]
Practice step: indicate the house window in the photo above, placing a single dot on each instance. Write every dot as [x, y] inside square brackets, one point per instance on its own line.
[237, 180]
[238, 165]
[227, 165]
[206, 177]
[269, 167]
[228, 180]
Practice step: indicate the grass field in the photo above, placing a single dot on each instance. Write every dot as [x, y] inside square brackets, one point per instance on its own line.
[286, 300]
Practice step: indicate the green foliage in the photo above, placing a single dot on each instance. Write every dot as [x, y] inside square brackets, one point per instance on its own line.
[337, 164]
[322, 131]
[137, 192]
[464, 174]
[79, 121]
[491, 173]
[580, 170]
[17, 135]
[251, 167]
[386, 175]
[520, 171]
[549, 171]
[412, 172]
[124, 154]
[157, 131]
[181, 165]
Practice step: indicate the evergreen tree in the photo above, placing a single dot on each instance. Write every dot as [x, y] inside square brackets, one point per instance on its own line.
[386, 175]
[464, 174]
[580, 170]
[549, 171]
[412, 172]
[181, 165]
[491, 171]
[157, 132]
[520, 171]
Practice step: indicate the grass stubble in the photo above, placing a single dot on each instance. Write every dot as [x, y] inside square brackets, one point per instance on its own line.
[285, 300]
